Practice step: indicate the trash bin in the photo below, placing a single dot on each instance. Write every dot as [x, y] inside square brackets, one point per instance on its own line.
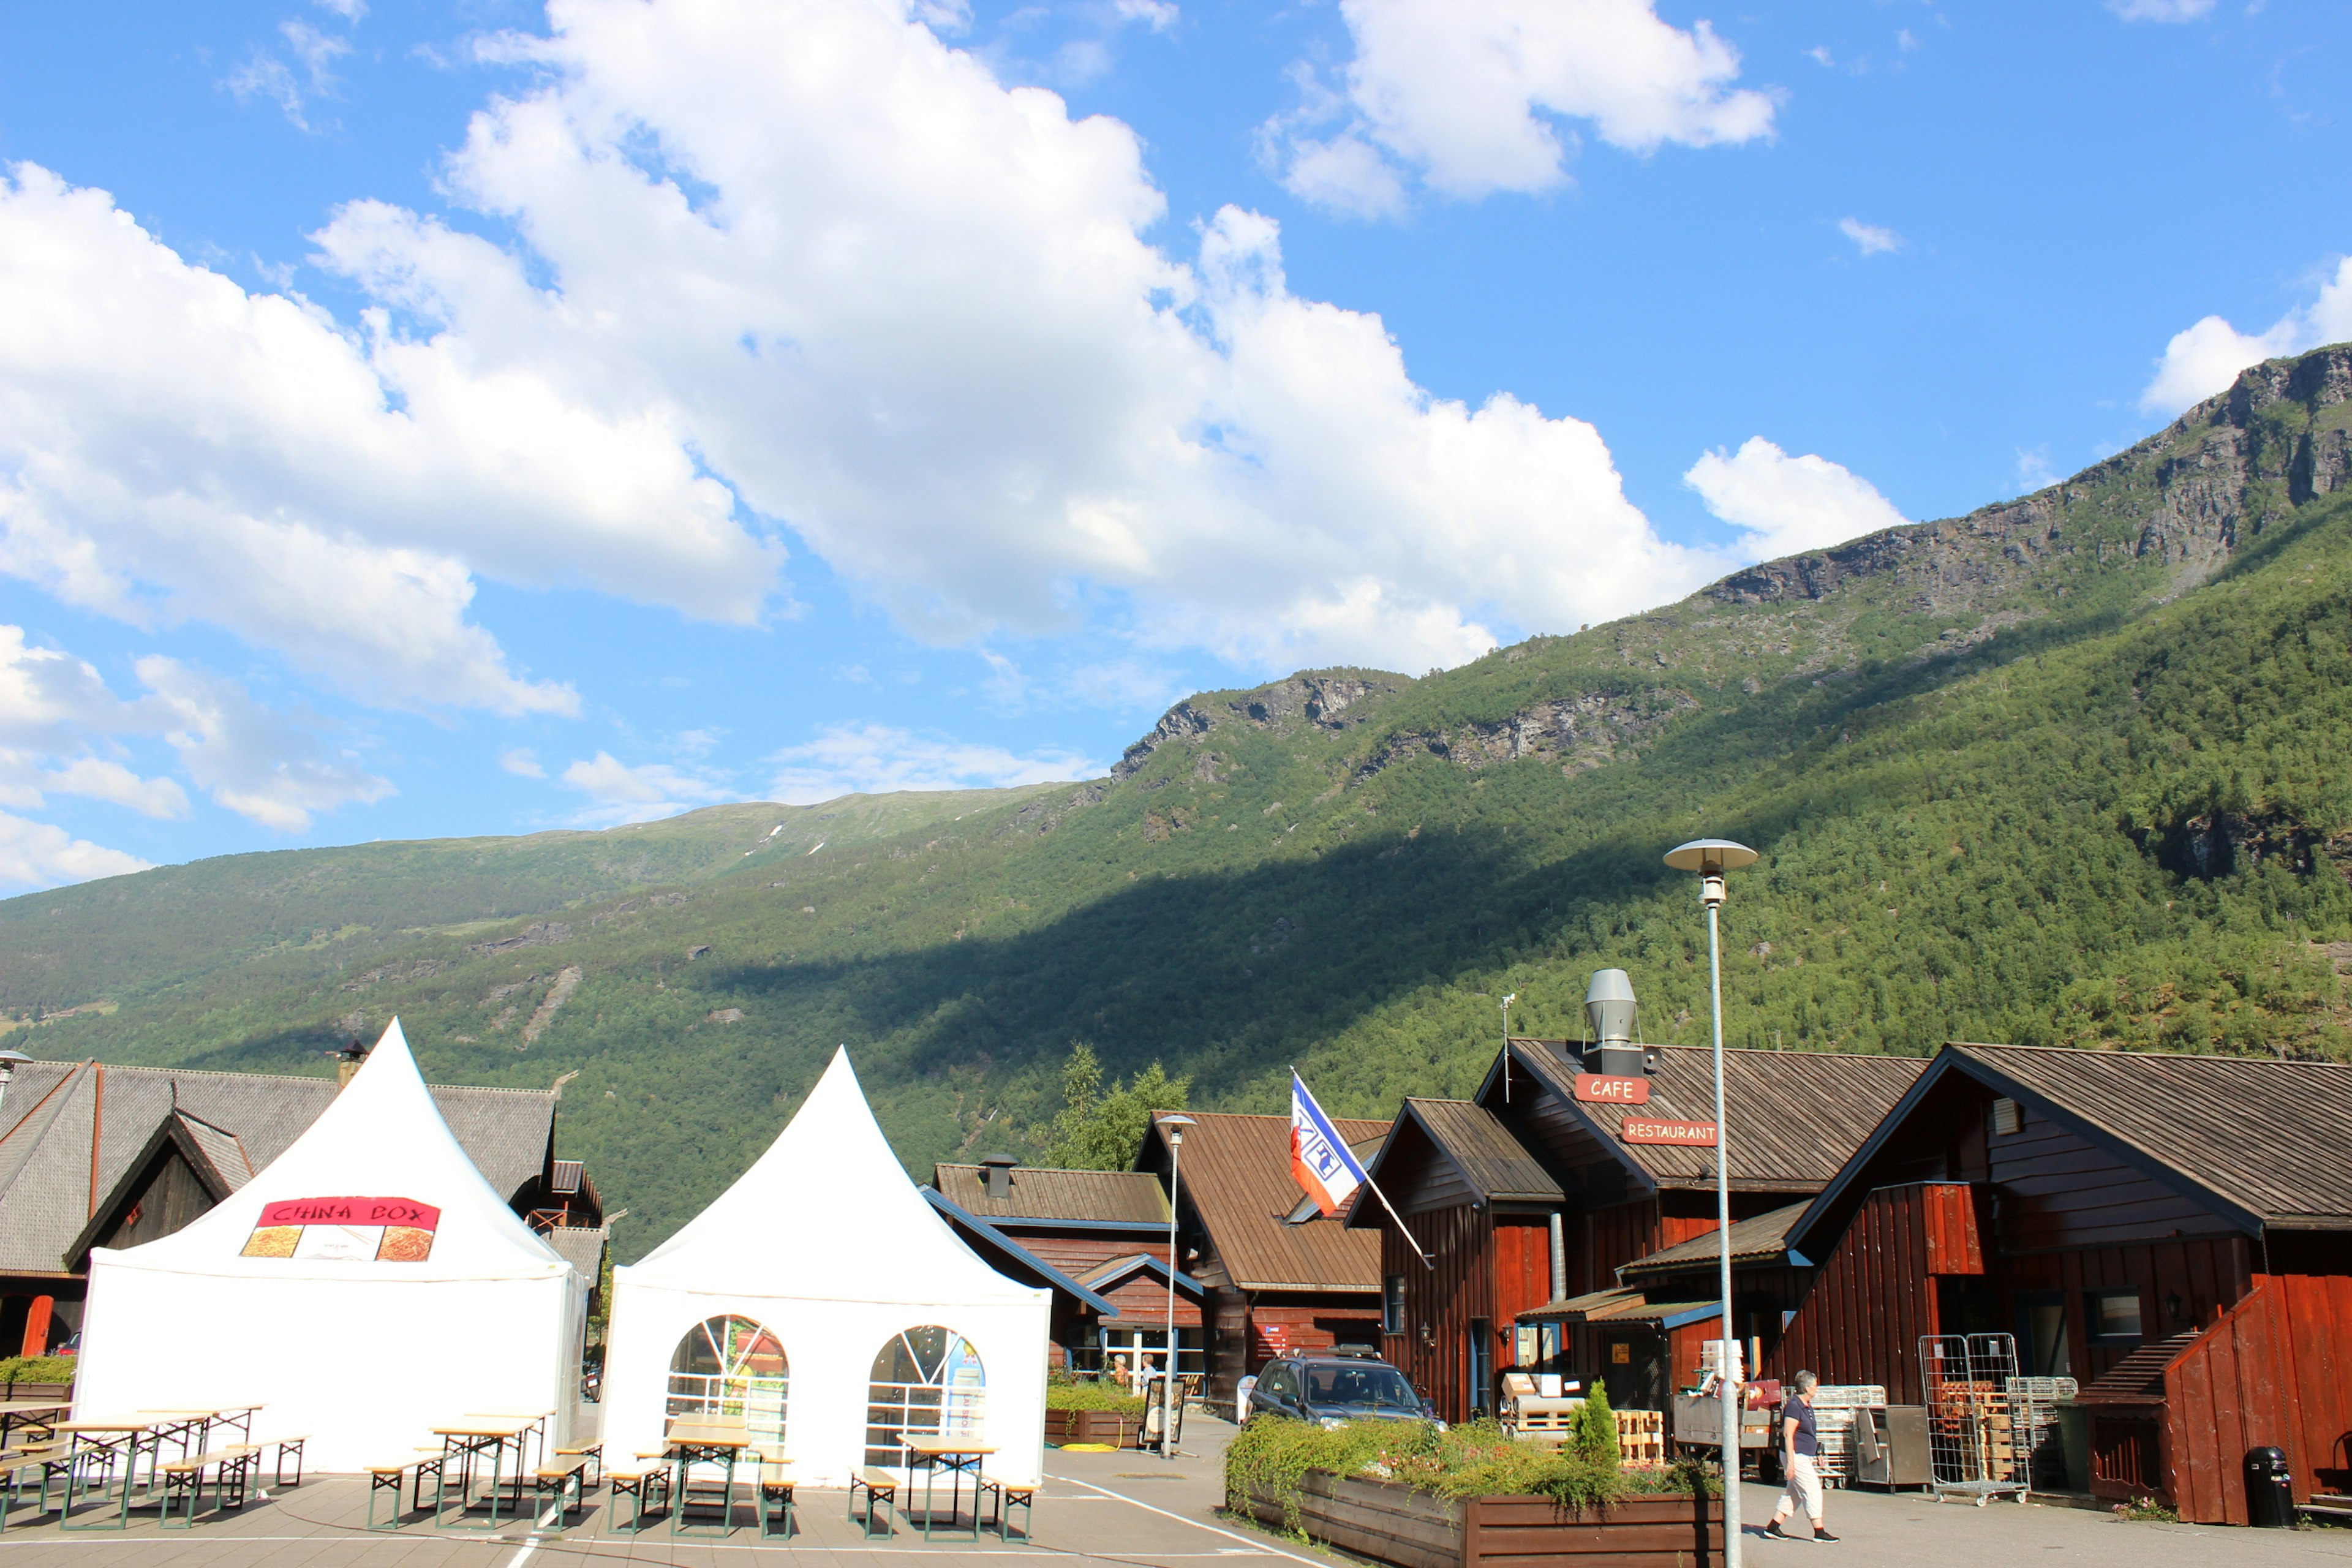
[2269, 1490]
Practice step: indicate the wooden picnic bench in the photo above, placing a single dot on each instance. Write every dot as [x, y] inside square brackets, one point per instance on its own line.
[1004, 1496]
[645, 1481]
[562, 1476]
[879, 1486]
[776, 1499]
[184, 1480]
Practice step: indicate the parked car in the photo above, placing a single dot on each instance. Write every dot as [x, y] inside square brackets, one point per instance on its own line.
[1333, 1389]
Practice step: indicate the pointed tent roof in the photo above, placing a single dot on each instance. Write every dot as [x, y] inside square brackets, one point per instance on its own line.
[382, 1137]
[826, 1214]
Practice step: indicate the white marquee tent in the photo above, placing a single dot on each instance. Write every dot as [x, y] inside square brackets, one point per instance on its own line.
[818, 1287]
[365, 1286]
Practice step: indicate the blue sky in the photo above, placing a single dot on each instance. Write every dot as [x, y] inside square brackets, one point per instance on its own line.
[437, 419]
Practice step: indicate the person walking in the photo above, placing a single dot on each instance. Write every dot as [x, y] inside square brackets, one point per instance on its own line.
[1799, 1444]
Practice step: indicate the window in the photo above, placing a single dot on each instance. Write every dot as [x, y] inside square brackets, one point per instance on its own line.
[1371, 1386]
[1392, 1304]
[732, 1366]
[2008, 1118]
[2113, 1317]
[927, 1381]
[1276, 1381]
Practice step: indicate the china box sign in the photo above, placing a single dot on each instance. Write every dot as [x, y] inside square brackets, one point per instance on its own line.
[1688, 1134]
[1607, 1089]
[381, 1230]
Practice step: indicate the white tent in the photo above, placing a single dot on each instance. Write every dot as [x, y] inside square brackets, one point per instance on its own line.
[779, 1300]
[365, 1286]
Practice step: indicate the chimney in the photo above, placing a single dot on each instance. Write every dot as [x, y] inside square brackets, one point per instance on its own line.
[997, 1171]
[348, 1060]
[1609, 1012]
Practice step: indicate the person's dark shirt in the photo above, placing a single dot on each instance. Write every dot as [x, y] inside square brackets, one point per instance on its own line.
[1806, 1440]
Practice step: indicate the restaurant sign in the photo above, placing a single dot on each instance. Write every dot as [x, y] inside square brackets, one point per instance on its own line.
[1605, 1088]
[382, 1230]
[1689, 1134]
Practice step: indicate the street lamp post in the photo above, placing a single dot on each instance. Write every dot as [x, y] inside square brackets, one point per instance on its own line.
[1711, 858]
[9, 1062]
[1170, 1401]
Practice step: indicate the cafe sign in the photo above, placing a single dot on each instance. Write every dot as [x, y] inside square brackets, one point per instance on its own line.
[1606, 1089]
[1688, 1134]
[380, 1230]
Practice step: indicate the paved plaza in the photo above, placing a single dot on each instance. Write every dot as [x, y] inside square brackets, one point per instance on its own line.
[1122, 1507]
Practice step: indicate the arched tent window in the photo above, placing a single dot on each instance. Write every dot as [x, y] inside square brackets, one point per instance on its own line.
[926, 1381]
[732, 1367]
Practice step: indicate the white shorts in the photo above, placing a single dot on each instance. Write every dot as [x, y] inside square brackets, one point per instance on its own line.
[1804, 1488]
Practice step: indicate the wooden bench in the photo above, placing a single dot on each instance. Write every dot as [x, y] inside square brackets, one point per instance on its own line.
[592, 1452]
[393, 1476]
[563, 1478]
[775, 1500]
[55, 1459]
[879, 1486]
[293, 1446]
[184, 1482]
[645, 1481]
[1006, 1496]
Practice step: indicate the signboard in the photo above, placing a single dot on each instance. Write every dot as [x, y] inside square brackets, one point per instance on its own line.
[1689, 1134]
[1603, 1089]
[382, 1230]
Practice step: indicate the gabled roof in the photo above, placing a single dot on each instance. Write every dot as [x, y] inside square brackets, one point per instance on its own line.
[1468, 1136]
[1795, 1115]
[1105, 1198]
[49, 1190]
[1236, 1177]
[214, 1154]
[1108, 1276]
[2263, 1142]
[1760, 1239]
[1009, 1258]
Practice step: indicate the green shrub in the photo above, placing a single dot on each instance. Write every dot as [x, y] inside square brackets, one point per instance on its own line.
[1594, 1433]
[1065, 1395]
[38, 1369]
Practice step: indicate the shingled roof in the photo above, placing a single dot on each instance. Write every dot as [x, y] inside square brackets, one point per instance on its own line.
[1496, 1166]
[2266, 1143]
[1796, 1116]
[1045, 1193]
[51, 1186]
[1236, 1177]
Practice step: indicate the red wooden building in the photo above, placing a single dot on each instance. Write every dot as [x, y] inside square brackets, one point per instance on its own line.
[2173, 1232]
[1795, 1117]
[1279, 1277]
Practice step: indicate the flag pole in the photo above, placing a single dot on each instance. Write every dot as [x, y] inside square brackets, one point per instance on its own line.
[1426, 1261]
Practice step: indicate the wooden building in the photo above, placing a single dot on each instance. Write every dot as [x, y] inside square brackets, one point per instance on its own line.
[1795, 1118]
[92, 1156]
[2173, 1232]
[1278, 1276]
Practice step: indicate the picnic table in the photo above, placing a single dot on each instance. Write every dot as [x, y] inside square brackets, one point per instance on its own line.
[711, 1441]
[537, 1418]
[95, 1443]
[959, 1456]
[191, 1428]
[465, 1440]
[38, 1415]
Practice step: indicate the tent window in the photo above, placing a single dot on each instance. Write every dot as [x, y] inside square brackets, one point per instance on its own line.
[925, 1380]
[732, 1366]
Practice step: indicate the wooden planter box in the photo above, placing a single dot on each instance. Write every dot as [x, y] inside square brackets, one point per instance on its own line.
[1392, 1523]
[38, 1391]
[1064, 1427]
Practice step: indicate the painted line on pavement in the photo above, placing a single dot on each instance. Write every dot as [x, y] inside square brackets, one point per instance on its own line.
[1197, 1524]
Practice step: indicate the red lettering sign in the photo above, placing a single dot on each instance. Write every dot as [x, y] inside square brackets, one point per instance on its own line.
[1690, 1135]
[1598, 1088]
[405, 1212]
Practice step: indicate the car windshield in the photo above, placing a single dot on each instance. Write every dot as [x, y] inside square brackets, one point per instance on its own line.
[1377, 1387]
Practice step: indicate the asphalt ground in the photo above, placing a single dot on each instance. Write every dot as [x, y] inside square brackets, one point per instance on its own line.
[1124, 1509]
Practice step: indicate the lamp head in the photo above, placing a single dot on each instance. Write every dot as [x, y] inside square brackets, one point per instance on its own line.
[9, 1062]
[1710, 858]
[1176, 1122]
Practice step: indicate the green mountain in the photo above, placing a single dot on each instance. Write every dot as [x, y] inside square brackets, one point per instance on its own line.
[2071, 769]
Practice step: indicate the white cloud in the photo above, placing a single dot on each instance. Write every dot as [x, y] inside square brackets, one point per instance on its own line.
[43, 855]
[2160, 10]
[109, 781]
[262, 766]
[521, 761]
[1160, 15]
[876, 759]
[1468, 95]
[1869, 238]
[1789, 504]
[349, 10]
[618, 793]
[265, 75]
[2204, 359]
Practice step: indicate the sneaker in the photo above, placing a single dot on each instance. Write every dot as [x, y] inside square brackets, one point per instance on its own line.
[1820, 1534]
[1773, 1532]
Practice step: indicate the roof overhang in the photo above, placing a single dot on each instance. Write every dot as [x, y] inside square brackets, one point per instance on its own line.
[989, 1239]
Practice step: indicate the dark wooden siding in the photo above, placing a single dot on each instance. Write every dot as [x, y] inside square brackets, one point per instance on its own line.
[1872, 1298]
[1605, 1238]
[1074, 1253]
[2275, 1370]
[2059, 1190]
[171, 1197]
[1440, 1302]
[2206, 1277]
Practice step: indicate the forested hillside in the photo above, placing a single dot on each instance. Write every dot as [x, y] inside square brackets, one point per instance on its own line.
[2068, 770]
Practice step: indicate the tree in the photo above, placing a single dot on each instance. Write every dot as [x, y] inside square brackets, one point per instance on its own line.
[1101, 1130]
[1595, 1431]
